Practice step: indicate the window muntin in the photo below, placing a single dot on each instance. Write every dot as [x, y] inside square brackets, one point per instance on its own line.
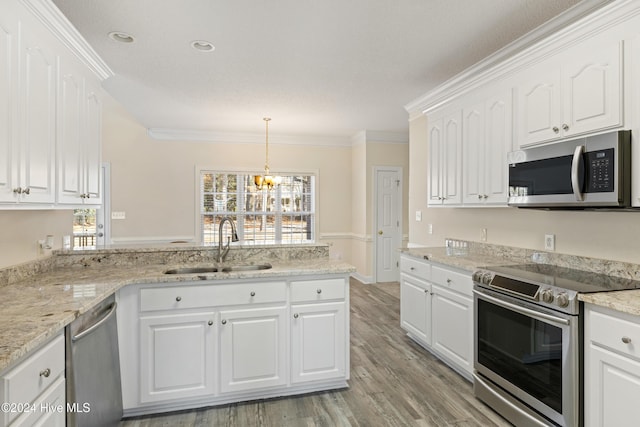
[283, 215]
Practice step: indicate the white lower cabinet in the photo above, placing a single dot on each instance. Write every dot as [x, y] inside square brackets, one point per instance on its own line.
[195, 344]
[176, 356]
[253, 349]
[34, 390]
[612, 368]
[436, 310]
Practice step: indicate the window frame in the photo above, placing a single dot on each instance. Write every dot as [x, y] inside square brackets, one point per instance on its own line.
[199, 170]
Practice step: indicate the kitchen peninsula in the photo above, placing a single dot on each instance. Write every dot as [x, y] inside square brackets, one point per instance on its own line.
[303, 287]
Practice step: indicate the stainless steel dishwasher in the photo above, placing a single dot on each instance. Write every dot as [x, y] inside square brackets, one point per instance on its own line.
[94, 394]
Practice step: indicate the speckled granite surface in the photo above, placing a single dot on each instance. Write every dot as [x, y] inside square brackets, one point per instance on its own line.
[38, 301]
[471, 255]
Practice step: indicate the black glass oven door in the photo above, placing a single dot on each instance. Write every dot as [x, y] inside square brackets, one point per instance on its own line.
[529, 353]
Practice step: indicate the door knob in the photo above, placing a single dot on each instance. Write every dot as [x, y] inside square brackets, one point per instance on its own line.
[380, 232]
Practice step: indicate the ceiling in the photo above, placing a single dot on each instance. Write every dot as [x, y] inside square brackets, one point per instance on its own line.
[316, 67]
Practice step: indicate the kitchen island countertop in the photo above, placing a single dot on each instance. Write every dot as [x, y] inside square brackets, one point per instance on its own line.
[37, 308]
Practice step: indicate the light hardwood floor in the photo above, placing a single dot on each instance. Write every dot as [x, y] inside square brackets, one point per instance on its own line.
[394, 382]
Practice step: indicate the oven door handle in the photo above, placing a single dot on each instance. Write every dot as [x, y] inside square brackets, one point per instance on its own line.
[522, 310]
[575, 168]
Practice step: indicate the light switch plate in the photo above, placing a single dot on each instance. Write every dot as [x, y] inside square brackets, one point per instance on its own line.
[418, 215]
[118, 215]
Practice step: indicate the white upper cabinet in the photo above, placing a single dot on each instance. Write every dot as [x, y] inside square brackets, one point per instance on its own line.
[486, 140]
[445, 159]
[576, 92]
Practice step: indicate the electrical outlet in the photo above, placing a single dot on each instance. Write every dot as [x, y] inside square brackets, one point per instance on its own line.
[483, 235]
[550, 242]
[430, 228]
[118, 215]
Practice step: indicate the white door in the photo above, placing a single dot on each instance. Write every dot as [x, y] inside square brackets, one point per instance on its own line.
[253, 349]
[388, 231]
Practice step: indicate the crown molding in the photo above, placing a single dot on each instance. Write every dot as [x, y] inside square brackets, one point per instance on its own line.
[517, 54]
[166, 134]
[63, 30]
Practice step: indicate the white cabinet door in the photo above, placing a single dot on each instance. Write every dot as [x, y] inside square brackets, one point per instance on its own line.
[38, 114]
[319, 342]
[452, 327]
[539, 108]
[592, 89]
[8, 109]
[498, 142]
[473, 142]
[612, 396]
[253, 349]
[415, 307]
[445, 160]
[176, 356]
[93, 146]
[69, 139]
[436, 172]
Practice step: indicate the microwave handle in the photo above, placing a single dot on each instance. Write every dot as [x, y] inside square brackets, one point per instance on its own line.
[575, 167]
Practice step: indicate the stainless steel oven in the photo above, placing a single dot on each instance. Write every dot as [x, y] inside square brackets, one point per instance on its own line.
[528, 340]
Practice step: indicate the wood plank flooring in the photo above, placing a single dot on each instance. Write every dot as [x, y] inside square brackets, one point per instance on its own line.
[394, 382]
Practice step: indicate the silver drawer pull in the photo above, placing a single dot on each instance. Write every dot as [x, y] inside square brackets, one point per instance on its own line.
[210, 322]
[319, 290]
[295, 316]
[626, 340]
[253, 294]
[449, 280]
[45, 373]
[224, 322]
[412, 268]
[178, 299]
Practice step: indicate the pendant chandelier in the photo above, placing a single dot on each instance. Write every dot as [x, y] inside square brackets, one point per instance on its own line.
[266, 181]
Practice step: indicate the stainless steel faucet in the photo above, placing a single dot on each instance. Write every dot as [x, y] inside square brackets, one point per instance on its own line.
[222, 253]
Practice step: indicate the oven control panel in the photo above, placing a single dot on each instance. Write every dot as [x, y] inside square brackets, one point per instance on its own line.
[540, 293]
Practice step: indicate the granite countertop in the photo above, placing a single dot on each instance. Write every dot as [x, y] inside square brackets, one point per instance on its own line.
[36, 308]
[470, 259]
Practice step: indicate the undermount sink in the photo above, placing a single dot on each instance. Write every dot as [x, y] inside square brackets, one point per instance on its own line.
[222, 269]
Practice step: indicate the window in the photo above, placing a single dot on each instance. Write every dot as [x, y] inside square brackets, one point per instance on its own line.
[84, 228]
[283, 215]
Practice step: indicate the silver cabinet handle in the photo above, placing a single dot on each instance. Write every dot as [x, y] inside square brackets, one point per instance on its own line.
[319, 290]
[224, 322]
[253, 294]
[555, 129]
[295, 316]
[17, 190]
[412, 268]
[210, 322]
[178, 299]
[90, 329]
[565, 127]
[575, 168]
[45, 373]
[449, 281]
[26, 190]
[626, 340]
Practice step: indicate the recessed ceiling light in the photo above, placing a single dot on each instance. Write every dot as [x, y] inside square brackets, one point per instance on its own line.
[121, 37]
[202, 46]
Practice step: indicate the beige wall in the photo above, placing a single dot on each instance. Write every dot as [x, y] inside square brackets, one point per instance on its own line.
[21, 230]
[154, 182]
[608, 235]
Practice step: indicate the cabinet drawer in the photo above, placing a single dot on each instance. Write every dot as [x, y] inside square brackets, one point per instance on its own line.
[251, 293]
[25, 382]
[183, 297]
[612, 332]
[177, 297]
[415, 267]
[453, 280]
[318, 290]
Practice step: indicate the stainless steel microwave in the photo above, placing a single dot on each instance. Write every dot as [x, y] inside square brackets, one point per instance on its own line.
[590, 172]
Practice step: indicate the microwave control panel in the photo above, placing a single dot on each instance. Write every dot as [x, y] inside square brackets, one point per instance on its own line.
[600, 173]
